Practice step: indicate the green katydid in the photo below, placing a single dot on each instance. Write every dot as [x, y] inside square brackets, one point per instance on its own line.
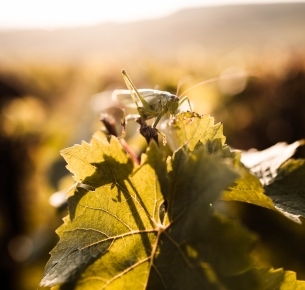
[152, 103]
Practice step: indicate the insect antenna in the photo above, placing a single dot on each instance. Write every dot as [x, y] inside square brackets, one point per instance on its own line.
[212, 80]
[180, 83]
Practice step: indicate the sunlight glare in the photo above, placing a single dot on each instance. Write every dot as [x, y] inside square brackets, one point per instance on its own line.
[55, 14]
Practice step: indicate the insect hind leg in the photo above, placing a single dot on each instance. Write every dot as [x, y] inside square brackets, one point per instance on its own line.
[125, 119]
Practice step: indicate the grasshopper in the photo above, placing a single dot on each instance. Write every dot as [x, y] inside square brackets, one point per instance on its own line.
[154, 103]
[149, 103]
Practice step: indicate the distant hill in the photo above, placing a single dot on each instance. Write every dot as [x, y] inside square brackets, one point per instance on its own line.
[211, 28]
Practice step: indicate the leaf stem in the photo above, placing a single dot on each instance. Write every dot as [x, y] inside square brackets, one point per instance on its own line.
[133, 156]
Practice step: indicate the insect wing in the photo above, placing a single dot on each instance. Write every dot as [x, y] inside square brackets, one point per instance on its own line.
[124, 98]
[152, 97]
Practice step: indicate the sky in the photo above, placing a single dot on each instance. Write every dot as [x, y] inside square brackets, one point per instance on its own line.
[52, 14]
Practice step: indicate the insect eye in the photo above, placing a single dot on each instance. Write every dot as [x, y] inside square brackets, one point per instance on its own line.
[173, 97]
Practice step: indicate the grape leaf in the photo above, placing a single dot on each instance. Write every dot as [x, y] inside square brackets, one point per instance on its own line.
[248, 189]
[285, 194]
[114, 237]
[287, 190]
[264, 164]
[271, 279]
[276, 185]
[190, 127]
[153, 226]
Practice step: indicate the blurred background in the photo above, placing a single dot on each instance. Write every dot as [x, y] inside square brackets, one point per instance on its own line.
[56, 56]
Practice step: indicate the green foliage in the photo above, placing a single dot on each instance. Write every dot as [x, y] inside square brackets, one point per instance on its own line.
[273, 182]
[154, 225]
[288, 188]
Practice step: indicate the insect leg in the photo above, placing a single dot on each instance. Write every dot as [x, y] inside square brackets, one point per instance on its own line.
[158, 118]
[132, 117]
[185, 98]
[125, 119]
[134, 92]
